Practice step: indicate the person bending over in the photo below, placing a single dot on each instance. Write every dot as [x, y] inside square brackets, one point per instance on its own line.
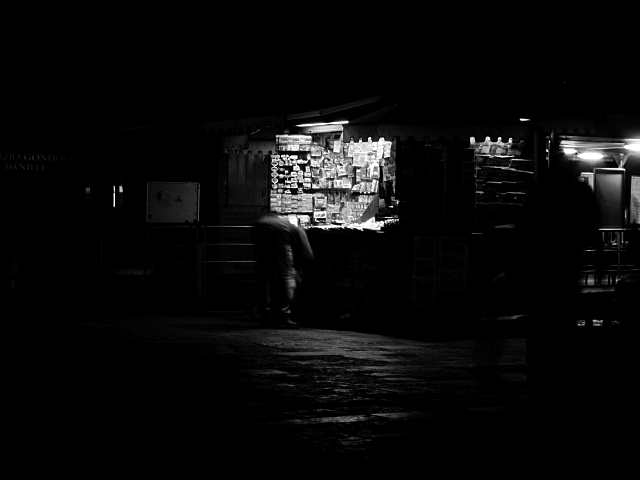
[282, 251]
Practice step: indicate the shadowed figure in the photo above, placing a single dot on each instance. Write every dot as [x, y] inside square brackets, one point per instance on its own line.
[282, 252]
[541, 282]
[560, 220]
[628, 286]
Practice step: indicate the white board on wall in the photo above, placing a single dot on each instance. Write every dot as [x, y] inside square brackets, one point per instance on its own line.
[635, 200]
[173, 202]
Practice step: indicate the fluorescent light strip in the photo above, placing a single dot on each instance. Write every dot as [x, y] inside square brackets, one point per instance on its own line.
[339, 122]
[590, 156]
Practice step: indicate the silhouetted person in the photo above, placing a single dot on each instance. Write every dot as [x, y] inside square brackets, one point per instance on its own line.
[628, 286]
[282, 251]
[560, 219]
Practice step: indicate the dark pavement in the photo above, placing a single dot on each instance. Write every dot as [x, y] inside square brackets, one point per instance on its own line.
[184, 395]
[176, 395]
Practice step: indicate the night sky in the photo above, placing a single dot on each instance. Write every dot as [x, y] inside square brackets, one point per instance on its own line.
[159, 66]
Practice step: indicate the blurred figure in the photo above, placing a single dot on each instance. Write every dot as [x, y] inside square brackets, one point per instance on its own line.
[282, 252]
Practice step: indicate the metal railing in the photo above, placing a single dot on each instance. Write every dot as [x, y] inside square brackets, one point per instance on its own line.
[227, 248]
[215, 254]
[605, 266]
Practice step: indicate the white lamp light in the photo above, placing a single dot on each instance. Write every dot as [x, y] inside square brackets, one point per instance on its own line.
[590, 156]
[320, 124]
[634, 147]
[569, 151]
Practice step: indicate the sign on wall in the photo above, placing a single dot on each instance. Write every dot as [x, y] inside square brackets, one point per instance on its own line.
[173, 202]
[635, 200]
[34, 162]
[608, 186]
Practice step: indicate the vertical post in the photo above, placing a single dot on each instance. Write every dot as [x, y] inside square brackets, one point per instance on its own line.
[146, 248]
[541, 165]
[201, 245]
[619, 236]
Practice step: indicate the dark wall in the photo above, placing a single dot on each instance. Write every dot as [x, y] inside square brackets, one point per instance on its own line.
[57, 211]
[170, 155]
[42, 209]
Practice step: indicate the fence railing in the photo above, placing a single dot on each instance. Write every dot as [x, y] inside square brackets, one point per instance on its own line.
[217, 258]
[605, 266]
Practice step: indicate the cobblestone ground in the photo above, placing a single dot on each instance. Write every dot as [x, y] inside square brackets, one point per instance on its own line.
[221, 393]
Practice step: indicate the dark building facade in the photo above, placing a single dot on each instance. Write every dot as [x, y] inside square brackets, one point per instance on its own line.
[76, 197]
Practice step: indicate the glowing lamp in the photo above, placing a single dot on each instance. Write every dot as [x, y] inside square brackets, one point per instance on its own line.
[590, 156]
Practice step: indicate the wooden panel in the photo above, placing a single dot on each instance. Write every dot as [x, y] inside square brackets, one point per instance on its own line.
[250, 185]
[247, 180]
[241, 180]
[232, 175]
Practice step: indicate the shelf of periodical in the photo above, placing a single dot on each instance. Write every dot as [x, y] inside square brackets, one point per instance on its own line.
[503, 179]
[320, 180]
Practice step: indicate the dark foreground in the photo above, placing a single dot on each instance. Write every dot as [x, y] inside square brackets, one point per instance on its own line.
[136, 394]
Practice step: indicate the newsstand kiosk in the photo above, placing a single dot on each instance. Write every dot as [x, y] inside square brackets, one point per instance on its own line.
[341, 192]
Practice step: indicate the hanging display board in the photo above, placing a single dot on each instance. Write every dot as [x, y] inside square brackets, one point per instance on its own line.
[634, 216]
[609, 189]
[173, 202]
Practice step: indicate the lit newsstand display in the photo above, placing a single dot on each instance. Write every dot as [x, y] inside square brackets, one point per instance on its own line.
[321, 181]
